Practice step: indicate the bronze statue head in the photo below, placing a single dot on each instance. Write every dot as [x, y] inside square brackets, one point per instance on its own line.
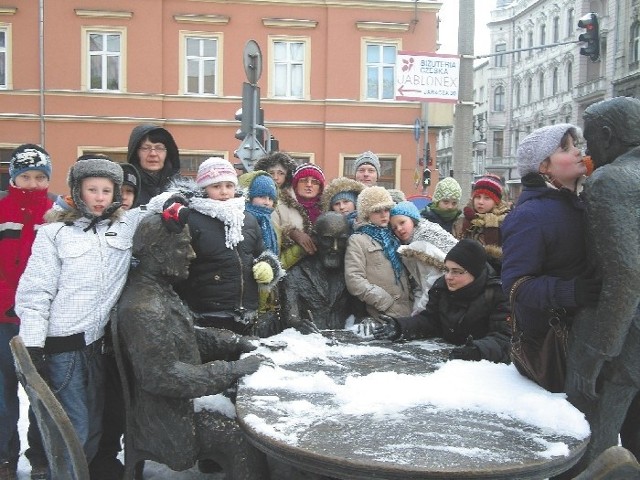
[331, 232]
[607, 128]
[161, 252]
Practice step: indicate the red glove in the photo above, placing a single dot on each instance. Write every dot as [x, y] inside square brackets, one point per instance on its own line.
[175, 217]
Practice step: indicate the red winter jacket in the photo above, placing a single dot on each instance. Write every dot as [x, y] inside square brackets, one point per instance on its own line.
[21, 213]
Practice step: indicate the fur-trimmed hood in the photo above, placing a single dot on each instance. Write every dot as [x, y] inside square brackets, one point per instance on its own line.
[423, 252]
[337, 185]
[271, 160]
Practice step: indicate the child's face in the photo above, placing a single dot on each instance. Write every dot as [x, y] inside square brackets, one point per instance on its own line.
[483, 203]
[343, 206]
[402, 227]
[32, 180]
[278, 173]
[221, 191]
[448, 204]
[97, 194]
[128, 196]
[262, 201]
[380, 218]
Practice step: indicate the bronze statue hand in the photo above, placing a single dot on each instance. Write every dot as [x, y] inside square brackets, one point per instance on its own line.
[583, 368]
[367, 326]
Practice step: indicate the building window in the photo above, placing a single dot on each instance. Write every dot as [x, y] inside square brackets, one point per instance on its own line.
[570, 17]
[200, 65]
[543, 34]
[518, 94]
[529, 43]
[541, 86]
[554, 84]
[4, 60]
[380, 69]
[499, 60]
[569, 76]
[518, 47]
[635, 42]
[556, 29]
[498, 99]
[498, 143]
[529, 90]
[387, 176]
[289, 67]
[105, 60]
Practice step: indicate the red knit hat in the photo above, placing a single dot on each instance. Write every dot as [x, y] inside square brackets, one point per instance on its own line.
[308, 170]
[489, 186]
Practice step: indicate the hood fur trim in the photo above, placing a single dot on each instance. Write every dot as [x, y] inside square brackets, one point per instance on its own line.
[337, 185]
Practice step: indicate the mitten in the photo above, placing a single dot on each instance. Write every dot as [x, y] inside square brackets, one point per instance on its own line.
[587, 291]
[39, 360]
[262, 272]
[467, 352]
[389, 330]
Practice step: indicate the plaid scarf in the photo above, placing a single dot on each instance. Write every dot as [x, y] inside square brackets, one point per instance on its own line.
[390, 244]
[263, 216]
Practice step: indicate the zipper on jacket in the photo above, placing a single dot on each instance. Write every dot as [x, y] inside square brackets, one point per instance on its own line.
[240, 307]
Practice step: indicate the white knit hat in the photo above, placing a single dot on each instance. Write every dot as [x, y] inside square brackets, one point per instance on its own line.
[539, 145]
[216, 170]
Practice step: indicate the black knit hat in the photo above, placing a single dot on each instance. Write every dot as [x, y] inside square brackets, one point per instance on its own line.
[470, 255]
[131, 177]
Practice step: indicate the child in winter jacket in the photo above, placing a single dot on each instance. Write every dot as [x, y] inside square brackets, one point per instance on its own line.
[22, 210]
[424, 246]
[483, 217]
[444, 209]
[75, 274]
[231, 260]
[374, 272]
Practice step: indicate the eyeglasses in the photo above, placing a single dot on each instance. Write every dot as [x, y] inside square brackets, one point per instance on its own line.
[147, 149]
[309, 180]
[454, 272]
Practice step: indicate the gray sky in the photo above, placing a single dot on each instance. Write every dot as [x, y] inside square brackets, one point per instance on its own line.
[449, 26]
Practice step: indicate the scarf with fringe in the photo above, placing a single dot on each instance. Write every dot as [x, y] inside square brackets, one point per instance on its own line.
[390, 244]
[230, 212]
[263, 216]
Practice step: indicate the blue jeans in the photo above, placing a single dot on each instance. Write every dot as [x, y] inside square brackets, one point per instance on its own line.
[77, 380]
[9, 403]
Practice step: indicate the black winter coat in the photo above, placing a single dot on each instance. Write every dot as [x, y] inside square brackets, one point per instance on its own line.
[221, 278]
[480, 309]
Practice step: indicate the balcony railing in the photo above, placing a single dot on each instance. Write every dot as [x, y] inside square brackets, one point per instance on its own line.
[592, 88]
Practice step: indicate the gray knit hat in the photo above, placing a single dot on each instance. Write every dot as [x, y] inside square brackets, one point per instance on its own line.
[94, 166]
[370, 158]
[539, 145]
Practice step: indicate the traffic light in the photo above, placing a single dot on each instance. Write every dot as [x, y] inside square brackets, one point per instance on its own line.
[591, 36]
[247, 114]
[426, 177]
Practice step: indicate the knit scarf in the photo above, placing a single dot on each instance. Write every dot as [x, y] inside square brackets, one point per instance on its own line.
[390, 244]
[312, 206]
[230, 212]
[263, 216]
[446, 214]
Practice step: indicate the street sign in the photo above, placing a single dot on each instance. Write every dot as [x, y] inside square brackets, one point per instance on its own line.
[417, 129]
[249, 151]
[252, 60]
[427, 77]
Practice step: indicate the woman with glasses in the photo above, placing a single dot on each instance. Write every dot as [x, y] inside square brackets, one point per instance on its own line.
[466, 308]
[153, 151]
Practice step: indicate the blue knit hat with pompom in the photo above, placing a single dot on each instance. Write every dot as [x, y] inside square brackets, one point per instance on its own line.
[406, 208]
[263, 186]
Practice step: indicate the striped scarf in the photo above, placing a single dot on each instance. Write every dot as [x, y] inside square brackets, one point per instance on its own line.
[390, 244]
[263, 216]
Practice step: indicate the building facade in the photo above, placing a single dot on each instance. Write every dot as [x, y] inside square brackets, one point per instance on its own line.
[77, 75]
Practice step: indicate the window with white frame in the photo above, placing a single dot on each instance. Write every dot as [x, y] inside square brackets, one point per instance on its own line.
[529, 43]
[518, 94]
[499, 60]
[289, 63]
[518, 47]
[380, 70]
[529, 90]
[104, 51]
[200, 65]
[635, 42]
[569, 76]
[498, 99]
[3, 57]
[543, 34]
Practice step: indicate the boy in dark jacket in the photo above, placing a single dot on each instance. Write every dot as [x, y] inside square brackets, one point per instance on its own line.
[466, 308]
